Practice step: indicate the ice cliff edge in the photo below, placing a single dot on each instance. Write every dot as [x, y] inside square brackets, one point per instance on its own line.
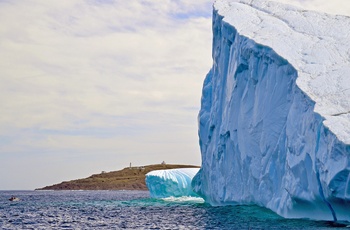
[274, 124]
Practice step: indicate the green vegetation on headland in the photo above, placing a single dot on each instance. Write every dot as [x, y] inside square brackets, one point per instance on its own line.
[130, 178]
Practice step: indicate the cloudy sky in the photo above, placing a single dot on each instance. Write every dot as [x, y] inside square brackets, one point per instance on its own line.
[92, 85]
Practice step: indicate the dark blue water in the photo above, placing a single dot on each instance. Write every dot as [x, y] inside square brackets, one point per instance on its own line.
[132, 210]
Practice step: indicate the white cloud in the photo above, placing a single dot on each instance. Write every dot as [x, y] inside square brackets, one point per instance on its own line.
[118, 79]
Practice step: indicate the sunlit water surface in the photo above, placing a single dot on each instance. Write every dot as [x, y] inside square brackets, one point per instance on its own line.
[132, 210]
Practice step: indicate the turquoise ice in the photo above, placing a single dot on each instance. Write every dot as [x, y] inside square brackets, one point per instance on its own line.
[171, 182]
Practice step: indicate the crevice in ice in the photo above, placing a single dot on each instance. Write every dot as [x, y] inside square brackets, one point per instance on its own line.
[320, 187]
[347, 189]
[335, 219]
[338, 114]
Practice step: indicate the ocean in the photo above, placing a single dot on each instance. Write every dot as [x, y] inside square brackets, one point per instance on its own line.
[133, 210]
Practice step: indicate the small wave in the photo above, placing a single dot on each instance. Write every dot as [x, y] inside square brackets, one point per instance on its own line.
[184, 199]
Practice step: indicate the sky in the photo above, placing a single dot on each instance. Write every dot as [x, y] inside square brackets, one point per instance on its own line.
[92, 85]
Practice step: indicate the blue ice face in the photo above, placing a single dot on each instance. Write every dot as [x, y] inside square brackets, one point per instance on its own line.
[267, 132]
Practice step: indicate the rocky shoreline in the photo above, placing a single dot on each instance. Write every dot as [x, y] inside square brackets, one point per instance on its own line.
[130, 178]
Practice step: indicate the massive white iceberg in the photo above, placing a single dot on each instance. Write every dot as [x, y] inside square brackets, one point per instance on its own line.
[171, 182]
[274, 124]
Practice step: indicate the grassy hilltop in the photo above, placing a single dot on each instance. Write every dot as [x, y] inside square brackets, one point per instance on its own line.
[126, 179]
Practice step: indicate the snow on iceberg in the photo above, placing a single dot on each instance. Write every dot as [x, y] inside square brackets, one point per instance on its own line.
[274, 124]
[171, 182]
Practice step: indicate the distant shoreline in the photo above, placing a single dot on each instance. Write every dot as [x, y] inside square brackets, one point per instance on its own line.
[129, 178]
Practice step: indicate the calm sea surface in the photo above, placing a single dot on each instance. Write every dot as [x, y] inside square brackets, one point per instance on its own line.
[132, 210]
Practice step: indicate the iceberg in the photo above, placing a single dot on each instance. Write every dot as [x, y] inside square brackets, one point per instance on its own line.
[171, 182]
[274, 124]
